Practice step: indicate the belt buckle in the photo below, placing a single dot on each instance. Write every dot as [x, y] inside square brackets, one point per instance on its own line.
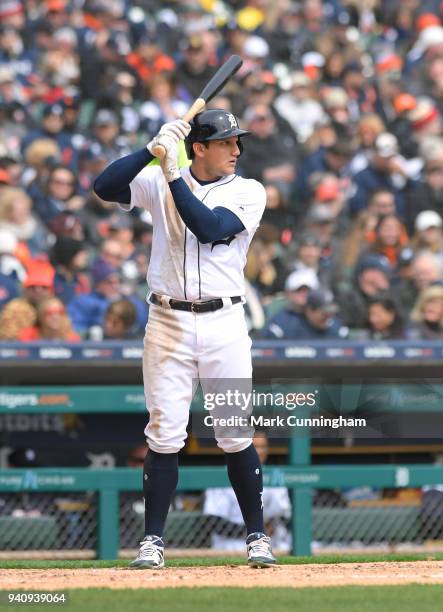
[193, 305]
[165, 302]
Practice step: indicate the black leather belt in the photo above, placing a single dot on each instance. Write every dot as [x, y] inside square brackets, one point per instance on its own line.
[207, 306]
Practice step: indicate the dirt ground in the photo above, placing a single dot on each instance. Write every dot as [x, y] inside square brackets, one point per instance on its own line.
[422, 572]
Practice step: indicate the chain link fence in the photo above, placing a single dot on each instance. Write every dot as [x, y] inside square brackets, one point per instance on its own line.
[45, 521]
[342, 518]
[364, 517]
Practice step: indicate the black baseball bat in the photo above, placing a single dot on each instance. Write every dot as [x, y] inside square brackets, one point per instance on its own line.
[211, 89]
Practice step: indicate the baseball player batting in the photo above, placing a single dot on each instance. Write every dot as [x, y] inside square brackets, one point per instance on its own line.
[204, 218]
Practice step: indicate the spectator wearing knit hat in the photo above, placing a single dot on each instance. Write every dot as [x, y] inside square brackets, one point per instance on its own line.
[400, 124]
[389, 83]
[425, 119]
[373, 274]
[429, 43]
[12, 13]
[69, 257]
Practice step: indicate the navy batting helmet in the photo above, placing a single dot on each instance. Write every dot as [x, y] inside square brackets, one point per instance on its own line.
[213, 124]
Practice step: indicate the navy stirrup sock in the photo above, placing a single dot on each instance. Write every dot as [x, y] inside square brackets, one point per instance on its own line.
[245, 474]
[160, 477]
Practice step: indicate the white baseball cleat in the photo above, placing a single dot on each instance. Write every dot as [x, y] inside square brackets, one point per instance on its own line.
[150, 555]
[259, 550]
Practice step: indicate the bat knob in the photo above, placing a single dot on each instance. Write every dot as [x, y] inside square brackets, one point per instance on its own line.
[159, 151]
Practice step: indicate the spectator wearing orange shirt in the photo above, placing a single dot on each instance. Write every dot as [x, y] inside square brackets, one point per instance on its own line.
[21, 312]
[52, 323]
[388, 238]
[148, 59]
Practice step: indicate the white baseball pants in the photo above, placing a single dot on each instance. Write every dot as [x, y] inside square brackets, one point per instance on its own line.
[179, 349]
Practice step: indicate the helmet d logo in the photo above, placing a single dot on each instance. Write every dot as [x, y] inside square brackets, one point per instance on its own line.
[232, 120]
[212, 124]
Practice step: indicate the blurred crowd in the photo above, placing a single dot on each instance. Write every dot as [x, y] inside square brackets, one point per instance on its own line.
[343, 101]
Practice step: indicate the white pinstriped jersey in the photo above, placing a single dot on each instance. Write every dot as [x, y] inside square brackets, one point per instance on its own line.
[180, 266]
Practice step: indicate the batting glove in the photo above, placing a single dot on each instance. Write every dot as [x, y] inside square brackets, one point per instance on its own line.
[174, 130]
[169, 164]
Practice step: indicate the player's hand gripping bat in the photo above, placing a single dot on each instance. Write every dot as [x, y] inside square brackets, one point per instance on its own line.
[218, 81]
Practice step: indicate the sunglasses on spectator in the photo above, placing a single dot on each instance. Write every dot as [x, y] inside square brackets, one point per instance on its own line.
[54, 310]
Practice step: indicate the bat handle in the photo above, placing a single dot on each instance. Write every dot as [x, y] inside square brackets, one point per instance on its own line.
[196, 108]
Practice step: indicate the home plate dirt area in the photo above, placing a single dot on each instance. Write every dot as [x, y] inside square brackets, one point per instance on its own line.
[315, 575]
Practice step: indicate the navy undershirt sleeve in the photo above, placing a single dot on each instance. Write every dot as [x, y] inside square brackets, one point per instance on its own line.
[206, 225]
[112, 184]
